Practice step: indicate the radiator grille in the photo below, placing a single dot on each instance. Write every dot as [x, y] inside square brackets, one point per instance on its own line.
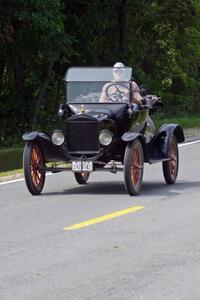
[82, 135]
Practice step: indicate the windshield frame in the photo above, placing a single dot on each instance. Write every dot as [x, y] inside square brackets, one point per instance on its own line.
[92, 68]
[89, 74]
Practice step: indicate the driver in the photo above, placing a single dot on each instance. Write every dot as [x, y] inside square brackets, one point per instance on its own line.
[113, 91]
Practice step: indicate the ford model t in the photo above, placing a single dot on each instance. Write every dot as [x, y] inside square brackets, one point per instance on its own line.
[108, 135]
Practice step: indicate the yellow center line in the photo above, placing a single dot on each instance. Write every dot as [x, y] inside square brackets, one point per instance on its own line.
[104, 218]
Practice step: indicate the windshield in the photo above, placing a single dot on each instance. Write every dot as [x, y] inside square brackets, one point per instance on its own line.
[97, 74]
[97, 85]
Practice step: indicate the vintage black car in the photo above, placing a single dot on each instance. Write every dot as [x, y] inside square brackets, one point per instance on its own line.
[110, 135]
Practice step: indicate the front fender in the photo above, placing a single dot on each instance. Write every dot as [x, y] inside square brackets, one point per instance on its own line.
[49, 150]
[30, 136]
[131, 136]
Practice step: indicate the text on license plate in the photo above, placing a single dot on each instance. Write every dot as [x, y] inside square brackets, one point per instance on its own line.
[82, 166]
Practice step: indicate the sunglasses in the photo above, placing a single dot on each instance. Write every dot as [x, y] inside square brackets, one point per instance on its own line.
[118, 70]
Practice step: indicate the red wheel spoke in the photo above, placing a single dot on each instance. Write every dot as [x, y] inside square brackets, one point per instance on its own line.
[173, 159]
[36, 167]
[136, 167]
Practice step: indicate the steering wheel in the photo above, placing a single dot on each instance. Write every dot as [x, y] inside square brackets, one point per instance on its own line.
[118, 95]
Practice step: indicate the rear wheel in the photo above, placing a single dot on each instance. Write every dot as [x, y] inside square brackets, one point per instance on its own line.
[34, 168]
[82, 177]
[133, 167]
[170, 167]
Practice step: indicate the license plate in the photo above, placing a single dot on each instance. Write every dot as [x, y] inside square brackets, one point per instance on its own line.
[82, 166]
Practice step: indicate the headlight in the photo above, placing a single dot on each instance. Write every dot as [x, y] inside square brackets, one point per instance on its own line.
[105, 137]
[57, 137]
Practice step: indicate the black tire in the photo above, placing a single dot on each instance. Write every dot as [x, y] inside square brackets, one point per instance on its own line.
[82, 177]
[170, 167]
[133, 167]
[34, 167]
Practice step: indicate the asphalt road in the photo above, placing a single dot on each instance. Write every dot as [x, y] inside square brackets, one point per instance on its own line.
[153, 253]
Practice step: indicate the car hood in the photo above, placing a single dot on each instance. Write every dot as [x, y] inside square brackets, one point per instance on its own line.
[100, 111]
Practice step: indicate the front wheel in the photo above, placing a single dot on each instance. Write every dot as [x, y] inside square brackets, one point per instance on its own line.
[133, 167]
[170, 167]
[82, 177]
[34, 168]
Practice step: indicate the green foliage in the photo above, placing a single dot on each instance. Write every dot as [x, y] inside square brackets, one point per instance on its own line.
[11, 159]
[185, 122]
[32, 40]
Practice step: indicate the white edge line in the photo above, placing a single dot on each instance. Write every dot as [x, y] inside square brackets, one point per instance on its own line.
[21, 179]
[189, 143]
[11, 181]
[17, 180]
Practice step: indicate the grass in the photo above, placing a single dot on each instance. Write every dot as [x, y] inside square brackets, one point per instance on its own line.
[185, 122]
[11, 159]
[11, 173]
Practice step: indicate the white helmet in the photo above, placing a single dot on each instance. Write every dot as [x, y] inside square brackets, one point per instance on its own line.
[119, 65]
[118, 70]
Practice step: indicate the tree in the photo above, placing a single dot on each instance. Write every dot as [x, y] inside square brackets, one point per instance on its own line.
[166, 43]
[32, 40]
[160, 40]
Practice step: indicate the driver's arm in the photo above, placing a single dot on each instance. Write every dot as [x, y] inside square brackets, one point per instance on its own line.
[103, 96]
[136, 97]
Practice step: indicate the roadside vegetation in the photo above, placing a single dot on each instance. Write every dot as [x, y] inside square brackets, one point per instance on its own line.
[10, 159]
[159, 40]
[185, 122]
[12, 173]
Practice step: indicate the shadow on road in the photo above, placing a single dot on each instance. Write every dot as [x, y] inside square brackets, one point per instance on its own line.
[151, 188]
[94, 188]
[162, 189]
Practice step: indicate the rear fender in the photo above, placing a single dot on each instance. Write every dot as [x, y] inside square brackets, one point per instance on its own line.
[167, 131]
